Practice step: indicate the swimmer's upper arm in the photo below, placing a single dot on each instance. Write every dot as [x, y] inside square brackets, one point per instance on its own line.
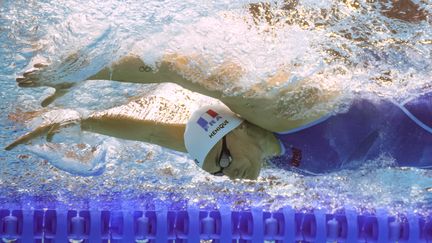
[262, 112]
[274, 112]
[277, 112]
[289, 108]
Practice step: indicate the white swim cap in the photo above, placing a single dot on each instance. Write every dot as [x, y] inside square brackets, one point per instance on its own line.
[206, 127]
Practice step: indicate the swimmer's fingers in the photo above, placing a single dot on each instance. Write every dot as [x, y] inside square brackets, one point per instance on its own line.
[48, 130]
[39, 131]
[55, 128]
[25, 82]
[40, 65]
[28, 78]
[31, 77]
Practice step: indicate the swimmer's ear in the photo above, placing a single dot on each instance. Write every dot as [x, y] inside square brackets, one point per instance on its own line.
[60, 90]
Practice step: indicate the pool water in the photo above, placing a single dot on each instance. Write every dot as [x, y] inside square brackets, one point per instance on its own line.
[361, 47]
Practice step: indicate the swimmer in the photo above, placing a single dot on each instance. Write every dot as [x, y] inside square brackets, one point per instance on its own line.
[236, 139]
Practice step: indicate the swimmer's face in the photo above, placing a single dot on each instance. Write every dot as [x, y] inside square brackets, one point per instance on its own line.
[246, 151]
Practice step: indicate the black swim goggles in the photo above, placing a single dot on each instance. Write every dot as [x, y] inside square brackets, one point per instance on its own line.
[225, 158]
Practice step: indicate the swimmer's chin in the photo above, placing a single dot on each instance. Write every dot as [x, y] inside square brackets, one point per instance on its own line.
[248, 174]
[252, 178]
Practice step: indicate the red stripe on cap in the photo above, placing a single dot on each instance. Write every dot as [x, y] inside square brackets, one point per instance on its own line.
[212, 113]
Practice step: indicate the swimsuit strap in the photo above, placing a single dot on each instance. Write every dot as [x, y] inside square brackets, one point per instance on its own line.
[413, 118]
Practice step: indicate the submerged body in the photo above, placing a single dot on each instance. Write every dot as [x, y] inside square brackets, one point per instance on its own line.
[314, 142]
[366, 131]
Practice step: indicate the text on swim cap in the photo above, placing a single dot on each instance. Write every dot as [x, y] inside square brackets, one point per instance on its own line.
[208, 119]
[218, 128]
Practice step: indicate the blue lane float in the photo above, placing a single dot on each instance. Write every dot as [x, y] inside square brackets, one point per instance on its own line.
[223, 225]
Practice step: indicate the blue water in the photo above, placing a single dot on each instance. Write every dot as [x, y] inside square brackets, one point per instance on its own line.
[384, 57]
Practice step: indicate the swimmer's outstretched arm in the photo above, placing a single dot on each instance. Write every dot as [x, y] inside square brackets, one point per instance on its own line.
[164, 134]
[150, 118]
[269, 111]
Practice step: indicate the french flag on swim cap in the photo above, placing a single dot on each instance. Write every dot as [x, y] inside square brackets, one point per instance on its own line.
[207, 119]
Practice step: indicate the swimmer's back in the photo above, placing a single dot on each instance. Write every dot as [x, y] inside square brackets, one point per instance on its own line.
[365, 132]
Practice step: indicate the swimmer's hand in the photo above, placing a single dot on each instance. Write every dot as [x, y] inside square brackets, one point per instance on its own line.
[35, 78]
[54, 74]
[47, 130]
[32, 77]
